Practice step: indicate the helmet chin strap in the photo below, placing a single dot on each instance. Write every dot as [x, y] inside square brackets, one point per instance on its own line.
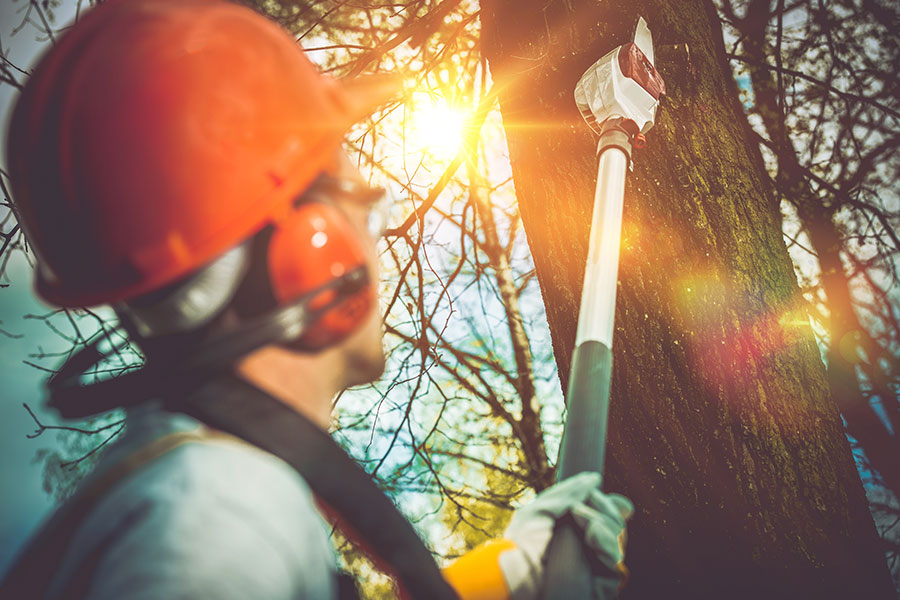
[187, 370]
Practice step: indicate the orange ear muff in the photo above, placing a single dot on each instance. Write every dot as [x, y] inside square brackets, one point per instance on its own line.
[311, 246]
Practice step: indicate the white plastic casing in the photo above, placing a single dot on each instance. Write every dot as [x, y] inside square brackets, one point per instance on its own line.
[604, 92]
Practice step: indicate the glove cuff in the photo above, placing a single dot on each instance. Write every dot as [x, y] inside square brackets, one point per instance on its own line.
[476, 575]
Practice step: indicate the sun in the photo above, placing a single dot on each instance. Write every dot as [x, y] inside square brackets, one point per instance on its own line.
[435, 127]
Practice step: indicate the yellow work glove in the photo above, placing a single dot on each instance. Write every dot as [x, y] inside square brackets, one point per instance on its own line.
[514, 567]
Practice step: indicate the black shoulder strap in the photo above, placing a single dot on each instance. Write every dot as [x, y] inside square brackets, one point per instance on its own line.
[346, 587]
[234, 406]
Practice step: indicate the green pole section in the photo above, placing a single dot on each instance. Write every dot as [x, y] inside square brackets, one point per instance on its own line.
[584, 441]
[569, 574]
[583, 449]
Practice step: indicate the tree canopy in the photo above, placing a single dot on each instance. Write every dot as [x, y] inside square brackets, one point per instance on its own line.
[466, 423]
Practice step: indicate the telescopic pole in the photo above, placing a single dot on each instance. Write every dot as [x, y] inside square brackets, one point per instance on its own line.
[618, 97]
[589, 379]
[584, 439]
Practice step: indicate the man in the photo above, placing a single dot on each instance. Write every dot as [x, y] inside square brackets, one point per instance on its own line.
[180, 160]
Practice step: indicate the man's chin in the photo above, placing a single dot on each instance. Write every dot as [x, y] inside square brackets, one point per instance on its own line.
[365, 367]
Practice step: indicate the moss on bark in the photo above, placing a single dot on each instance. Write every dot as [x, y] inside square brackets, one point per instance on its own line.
[722, 430]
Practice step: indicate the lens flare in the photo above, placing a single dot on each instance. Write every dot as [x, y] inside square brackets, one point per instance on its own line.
[435, 127]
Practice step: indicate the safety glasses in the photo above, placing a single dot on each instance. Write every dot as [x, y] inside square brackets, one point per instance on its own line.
[376, 200]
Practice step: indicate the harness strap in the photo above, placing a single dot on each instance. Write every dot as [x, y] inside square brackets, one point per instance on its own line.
[232, 405]
[234, 408]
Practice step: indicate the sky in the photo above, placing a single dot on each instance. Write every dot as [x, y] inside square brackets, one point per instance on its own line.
[23, 503]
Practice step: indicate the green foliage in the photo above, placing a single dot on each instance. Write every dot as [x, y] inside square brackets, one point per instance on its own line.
[371, 582]
[475, 519]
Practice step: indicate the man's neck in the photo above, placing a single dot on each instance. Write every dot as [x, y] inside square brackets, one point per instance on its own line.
[306, 383]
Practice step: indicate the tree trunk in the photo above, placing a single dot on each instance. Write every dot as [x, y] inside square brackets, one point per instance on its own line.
[846, 339]
[722, 429]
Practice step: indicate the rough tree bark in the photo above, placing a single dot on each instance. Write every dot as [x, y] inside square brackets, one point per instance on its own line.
[722, 428]
[820, 219]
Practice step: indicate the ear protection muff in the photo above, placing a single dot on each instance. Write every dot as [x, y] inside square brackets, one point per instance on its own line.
[313, 290]
[312, 245]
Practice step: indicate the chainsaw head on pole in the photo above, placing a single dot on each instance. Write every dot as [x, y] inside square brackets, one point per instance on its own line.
[624, 83]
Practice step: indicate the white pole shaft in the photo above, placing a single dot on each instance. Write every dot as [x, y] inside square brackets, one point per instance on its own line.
[598, 296]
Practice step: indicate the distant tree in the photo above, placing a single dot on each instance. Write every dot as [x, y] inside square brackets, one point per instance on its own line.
[825, 104]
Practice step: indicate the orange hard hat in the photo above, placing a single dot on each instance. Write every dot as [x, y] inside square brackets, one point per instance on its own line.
[157, 134]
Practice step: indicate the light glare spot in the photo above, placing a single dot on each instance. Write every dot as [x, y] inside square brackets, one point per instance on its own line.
[435, 127]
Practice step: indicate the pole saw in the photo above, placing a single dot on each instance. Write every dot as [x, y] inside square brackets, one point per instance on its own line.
[617, 96]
